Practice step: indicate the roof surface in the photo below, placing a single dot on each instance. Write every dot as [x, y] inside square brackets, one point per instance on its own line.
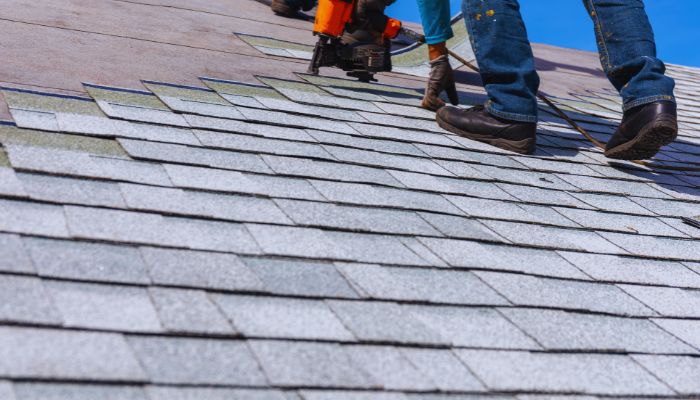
[262, 234]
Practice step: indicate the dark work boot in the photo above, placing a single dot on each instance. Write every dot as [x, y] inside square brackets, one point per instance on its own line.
[643, 131]
[280, 7]
[477, 124]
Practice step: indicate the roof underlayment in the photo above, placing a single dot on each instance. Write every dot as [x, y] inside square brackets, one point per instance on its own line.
[272, 235]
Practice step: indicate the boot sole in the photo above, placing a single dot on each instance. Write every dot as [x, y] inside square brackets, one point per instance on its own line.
[525, 146]
[648, 142]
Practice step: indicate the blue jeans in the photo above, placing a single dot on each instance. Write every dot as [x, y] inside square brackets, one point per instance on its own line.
[499, 40]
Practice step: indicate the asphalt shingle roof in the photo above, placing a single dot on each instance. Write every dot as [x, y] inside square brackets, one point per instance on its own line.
[311, 238]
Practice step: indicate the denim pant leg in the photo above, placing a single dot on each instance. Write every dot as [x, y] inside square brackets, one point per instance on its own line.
[435, 16]
[628, 51]
[499, 40]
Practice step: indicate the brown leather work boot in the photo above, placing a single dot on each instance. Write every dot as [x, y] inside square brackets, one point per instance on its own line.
[643, 131]
[477, 124]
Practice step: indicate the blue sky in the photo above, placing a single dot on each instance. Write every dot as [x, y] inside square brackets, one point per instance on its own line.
[565, 23]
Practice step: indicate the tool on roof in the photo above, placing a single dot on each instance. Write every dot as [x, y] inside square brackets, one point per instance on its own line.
[355, 36]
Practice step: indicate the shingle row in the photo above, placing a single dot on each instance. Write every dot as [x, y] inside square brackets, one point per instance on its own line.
[27, 299]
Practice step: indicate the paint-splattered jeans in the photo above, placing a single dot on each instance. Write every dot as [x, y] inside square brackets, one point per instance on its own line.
[499, 39]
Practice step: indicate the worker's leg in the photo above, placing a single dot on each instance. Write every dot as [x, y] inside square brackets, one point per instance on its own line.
[500, 43]
[435, 15]
[628, 56]
[499, 40]
[628, 51]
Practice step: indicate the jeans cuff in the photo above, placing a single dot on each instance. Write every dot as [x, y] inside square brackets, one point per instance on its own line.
[646, 100]
[510, 116]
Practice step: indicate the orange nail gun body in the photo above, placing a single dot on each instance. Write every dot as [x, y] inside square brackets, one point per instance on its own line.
[361, 59]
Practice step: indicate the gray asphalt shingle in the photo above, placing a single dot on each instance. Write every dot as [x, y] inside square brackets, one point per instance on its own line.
[49, 391]
[612, 203]
[633, 270]
[78, 163]
[350, 395]
[188, 311]
[62, 354]
[104, 306]
[189, 393]
[199, 269]
[408, 135]
[9, 184]
[363, 194]
[186, 176]
[419, 284]
[652, 246]
[32, 218]
[620, 222]
[458, 227]
[146, 228]
[545, 236]
[669, 302]
[532, 194]
[176, 153]
[294, 241]
[386, 146]
[459, 186]
[13, 255]
[467, 254]
[24, 299]
[262, 145]
[580, 373]
[393, 161]
[300, 278]
[383, 322]
[472, 327]
[543, 292]
[72, 191]
[197, 361]
[443, 369]
[560, 330]
[356, 218]
[6, 391]
[270, 317]
[389, 368]
[686, 330]
[682, 374]
[309, 364]
[373, 248]
[87, 261]
[186, 202]
[334, 171]
[271, 131]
